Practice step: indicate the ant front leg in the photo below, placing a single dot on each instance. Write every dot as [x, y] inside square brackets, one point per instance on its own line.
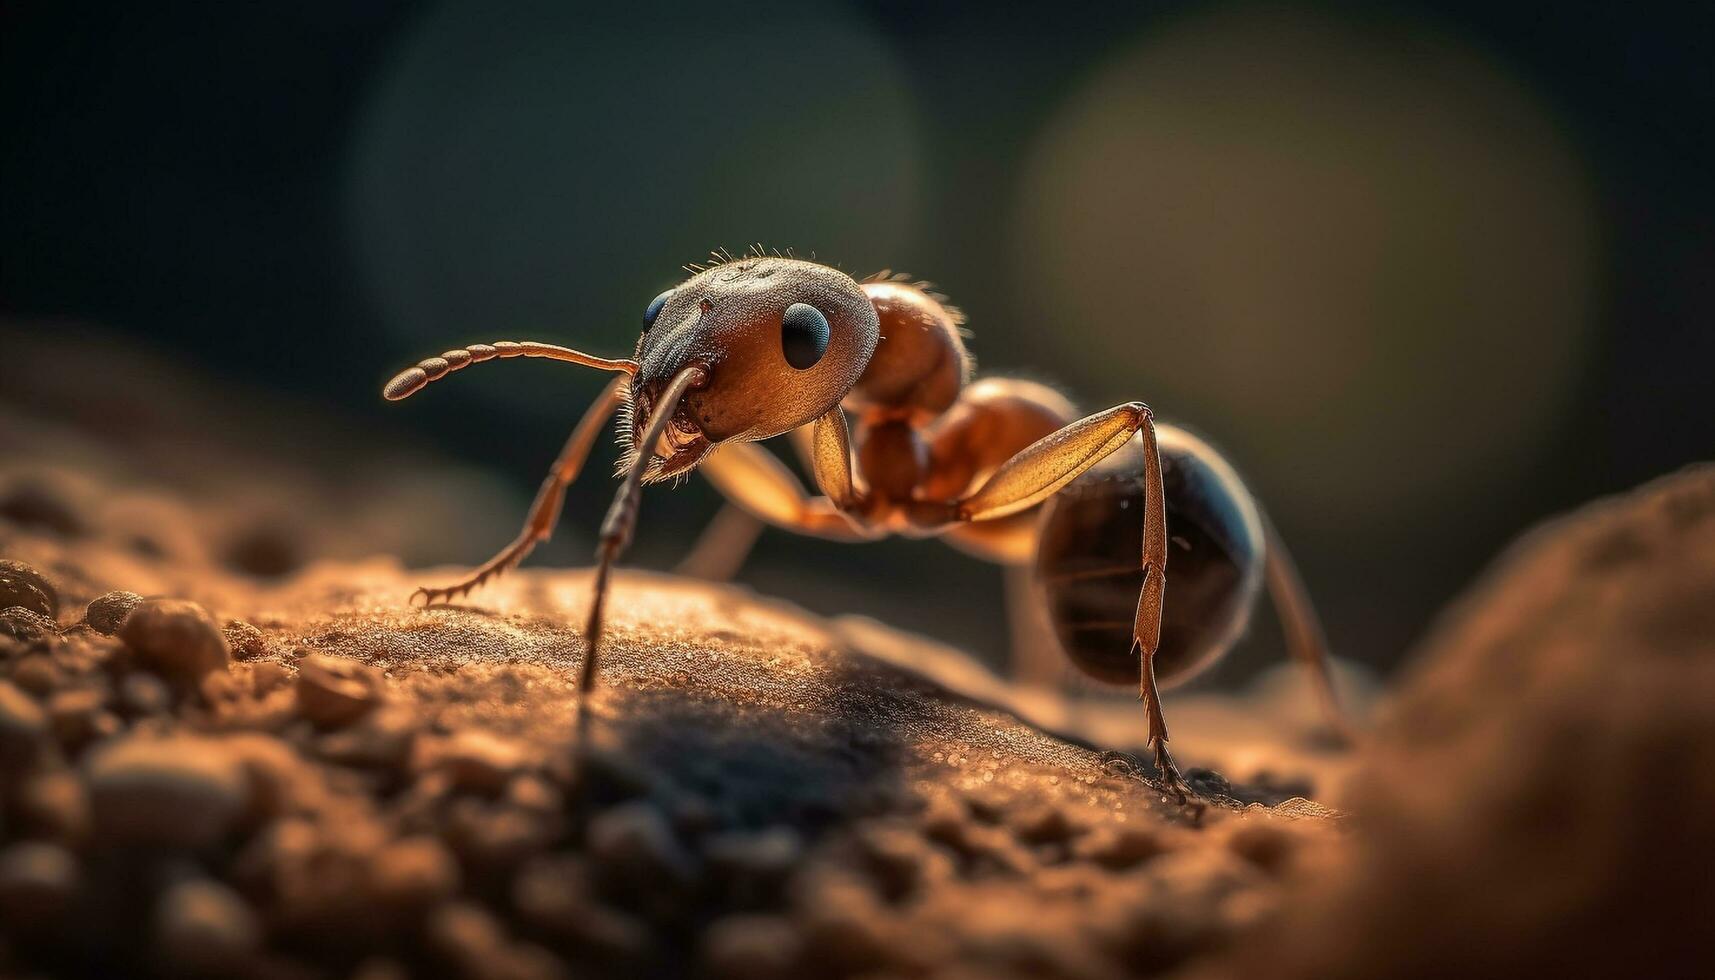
[1043, 468]
[545, 511]
[618, 525]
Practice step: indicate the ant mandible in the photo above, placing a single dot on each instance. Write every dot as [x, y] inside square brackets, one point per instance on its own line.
[762, 345]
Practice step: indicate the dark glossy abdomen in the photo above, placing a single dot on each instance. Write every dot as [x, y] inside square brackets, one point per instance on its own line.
[1089, 561]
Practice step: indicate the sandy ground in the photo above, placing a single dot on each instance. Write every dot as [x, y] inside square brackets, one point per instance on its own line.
[274, 767]
[390, 788]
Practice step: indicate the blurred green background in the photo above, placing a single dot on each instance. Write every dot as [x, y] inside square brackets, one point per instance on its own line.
[1427, 271]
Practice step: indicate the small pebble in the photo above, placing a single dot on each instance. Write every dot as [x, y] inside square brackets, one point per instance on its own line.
[247, 642]
[415, 872]
[204, 927]
[1195, 882]
[844, 926]
[278, 780]
[275, 711]
[380, 968]
[466, 934]
[37, 882]
[53, 804]
[632, 842]
[480, 761]
[693, 814]
[383, 739]
[895, 857]
[75, 715]
[267, 676]
[769, 854]
[336, 691]
[944, 821]
[742, 947]
[534, 794]
[107, 612]
[180, 791]
[551, 895]
[22, 585]
[1119, 848]
[222, 691]
[36, 674]
[315, 872]
[26, 624]
[144, 694]
[1208, 783]
[987, 805]
[175, 637]
[104, 725]
[1043, 824]
[1298, 808]
[1268, 847]
[23, 725]
[496, 837]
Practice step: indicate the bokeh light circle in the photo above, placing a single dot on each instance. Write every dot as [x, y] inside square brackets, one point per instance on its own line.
[543, 169]
[1361, 256]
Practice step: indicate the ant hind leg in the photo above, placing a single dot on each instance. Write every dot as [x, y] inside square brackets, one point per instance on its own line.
[1305, 641]
[1042, 469]
[1036, 660]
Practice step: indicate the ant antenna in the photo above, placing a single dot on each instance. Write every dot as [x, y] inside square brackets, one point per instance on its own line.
[413, 379]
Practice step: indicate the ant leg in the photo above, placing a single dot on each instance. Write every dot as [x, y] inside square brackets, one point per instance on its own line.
[545, 511]
[1047, 465]
[723, 546]
[1034, 662]
[757, 482]
[1151, 696]
[1305, 641]
[618, 525]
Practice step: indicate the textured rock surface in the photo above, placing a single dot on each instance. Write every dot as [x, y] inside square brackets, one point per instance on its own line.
[1539, 800]
[374, 786]
[221, 754]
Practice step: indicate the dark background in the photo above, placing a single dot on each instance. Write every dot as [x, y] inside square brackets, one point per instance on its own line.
[1428, 271]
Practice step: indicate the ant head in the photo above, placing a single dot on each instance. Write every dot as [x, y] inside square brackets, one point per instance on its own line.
[781, 342]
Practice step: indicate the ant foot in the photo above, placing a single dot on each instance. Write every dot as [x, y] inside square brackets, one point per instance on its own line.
[432, 596]
[1167, 774]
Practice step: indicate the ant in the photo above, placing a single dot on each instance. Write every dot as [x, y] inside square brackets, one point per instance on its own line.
[759, 346]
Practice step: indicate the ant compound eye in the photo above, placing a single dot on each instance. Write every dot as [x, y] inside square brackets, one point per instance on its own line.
[654, 309]
[803, 335]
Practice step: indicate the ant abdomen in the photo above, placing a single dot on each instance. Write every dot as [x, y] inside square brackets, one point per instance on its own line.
[1089, 571]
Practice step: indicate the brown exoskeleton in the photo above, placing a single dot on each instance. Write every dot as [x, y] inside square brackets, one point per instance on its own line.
[756, 347]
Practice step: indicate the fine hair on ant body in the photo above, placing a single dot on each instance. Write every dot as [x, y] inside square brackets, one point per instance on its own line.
[763, 345]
